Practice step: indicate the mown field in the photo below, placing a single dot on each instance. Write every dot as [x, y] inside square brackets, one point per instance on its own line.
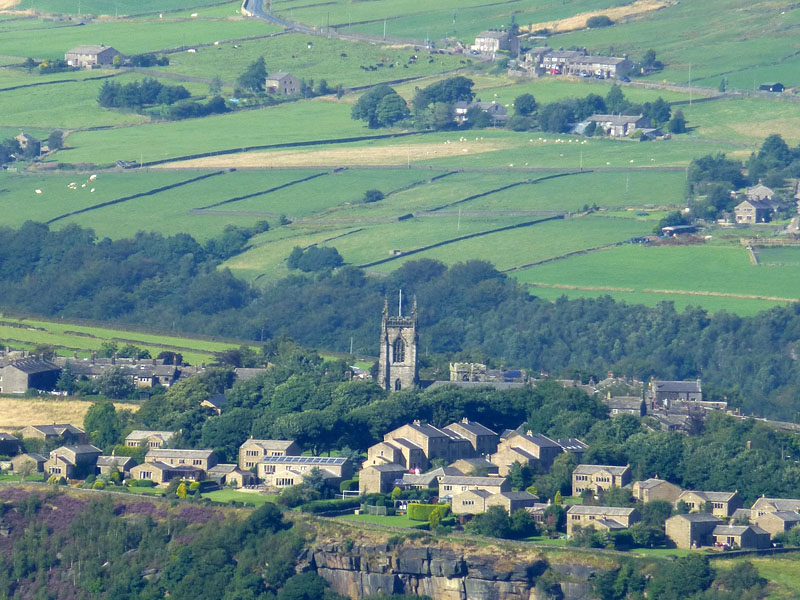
[113, 8]
[16, 412]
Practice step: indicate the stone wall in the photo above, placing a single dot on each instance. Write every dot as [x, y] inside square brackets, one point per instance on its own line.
[358, 570]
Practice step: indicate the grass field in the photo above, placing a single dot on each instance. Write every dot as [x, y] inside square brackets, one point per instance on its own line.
[233, 495]
[71, 337]
[782, 572]
[394, 521]
[704, 275]
[336, 61]
[778, 257]
[115, 8]
[16, 412]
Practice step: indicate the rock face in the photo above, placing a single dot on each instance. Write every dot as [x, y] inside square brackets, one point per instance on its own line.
[360, 570]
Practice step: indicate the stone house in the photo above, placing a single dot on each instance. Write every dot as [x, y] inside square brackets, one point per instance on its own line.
[482, 439]
[252, 451]
[599, 477]
[18, 376]
[492, 42]
[759, 192]
[498, 115]
[619, 125]
[512, 501]
[525, 448]
[662, 394]
[36, 460]
[72, 461]
[473, 502]
[466, 466]
[741, 536]
[778, 521]
[536, 510]
[607, 518]
[230, 474]
[64, 431]
[282, 83]
[429, 479]
[573, 446]
[691, 531]
[107, 464]
[656, 489]
[753, 211]
[625, 405]
[201, 459]
[161, 472]
[151, 439]
[215, 403]
[414, 445]
[379, 479]
[723, 503]
[764, 505]
[451, 485]
[89, 56]
[285, 471]
[9, 445]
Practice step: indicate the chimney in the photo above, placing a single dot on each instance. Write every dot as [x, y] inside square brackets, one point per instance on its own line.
[114, 358]
[529, 433]
[417, 422]
[465, 420]
[155, 363]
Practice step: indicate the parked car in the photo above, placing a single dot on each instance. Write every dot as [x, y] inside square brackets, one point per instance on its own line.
[625, 79]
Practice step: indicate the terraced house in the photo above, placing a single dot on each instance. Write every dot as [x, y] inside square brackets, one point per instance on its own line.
[722, 504]
[279, 472]
[73, 461]
[252, 451]
[599, 477]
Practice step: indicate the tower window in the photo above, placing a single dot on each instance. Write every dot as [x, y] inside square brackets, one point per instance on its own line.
[399, 354]
[397, 385]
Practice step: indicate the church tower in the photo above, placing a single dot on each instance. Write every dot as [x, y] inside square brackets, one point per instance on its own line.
[397, 366]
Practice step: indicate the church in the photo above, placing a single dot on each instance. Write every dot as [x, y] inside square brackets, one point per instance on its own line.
[397, 366]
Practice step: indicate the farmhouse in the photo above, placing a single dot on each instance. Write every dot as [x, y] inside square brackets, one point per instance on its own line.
[473, 502]
[28, 373]
[151, 439]
[36, 461]
[380, 478]
[577, 62]
[87, 57]
[602, 518]
[573, 446]
[160, 472]
[72, 461]
[497, 112]
[230, 474]
[759, 192]
[202, 459]
[599, 477]
[452, 485]
[753, 211]
[286, 471]
[625, 405]
[143, 374]
[656, 489]
[692, 530]
[108, 464]
[66, 432]
[764, 505]
[525, 449]
[252, 451]
[619, 125]
[662, 393]
[741, 536]
[723, 504]
[778, 521]
[482, 439]
[492, 42]
[282, 83]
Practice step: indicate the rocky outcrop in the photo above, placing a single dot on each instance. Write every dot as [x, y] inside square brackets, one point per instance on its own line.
[446, 572]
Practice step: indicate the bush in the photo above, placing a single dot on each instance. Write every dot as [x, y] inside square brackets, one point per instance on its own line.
[143, 483]
[98, 485]
[319, 506]
[373, 196]
[598, 21]
[348, 485]
[421, 512]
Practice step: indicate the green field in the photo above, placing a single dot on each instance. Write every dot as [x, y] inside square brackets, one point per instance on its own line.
[394, 521]
[704, 275]
[244, 497]
[71, 337]
[115, 8]
[781, 571]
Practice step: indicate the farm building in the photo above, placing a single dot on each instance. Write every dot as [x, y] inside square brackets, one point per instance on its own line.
[497, 112]
[17, 377]
[492, 42]
[619, 125]
[87, 57]
[282, 83]
[772, 87]
[752, 211]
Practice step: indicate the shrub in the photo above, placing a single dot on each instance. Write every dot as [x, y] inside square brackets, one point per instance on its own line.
[145, 483]
[373, 196]
[598, 21]
[98, 485]
[421, 512]
[348, 485]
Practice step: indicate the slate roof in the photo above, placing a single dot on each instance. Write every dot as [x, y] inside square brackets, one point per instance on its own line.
[89, 49]
[699, 518]
[710, 496]
[82, 449]
[791, 517]
[572, 444]
[615, 119]
[610, 523]
[57, 429]
[677, 386]
[35, 456]
[143, 434]
[110, 461]
[177, 453]
[31, 366]
[465, 480]
[473, 427]
[540, 440]
[482, 493]
[428, 430]
[278, 76]
[271, 444]
[245, 373]
[518, 495]
[304, 460]
[222, 469]
[391, 467]
[651, 483]
[494, 35]
[403, 442]
[780, 504]
[217, 400]
[736, 529]
[591, 469]
[7, 437]
[498, 385]
[612, 511]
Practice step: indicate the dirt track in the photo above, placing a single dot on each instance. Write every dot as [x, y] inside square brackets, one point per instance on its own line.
[638, 7]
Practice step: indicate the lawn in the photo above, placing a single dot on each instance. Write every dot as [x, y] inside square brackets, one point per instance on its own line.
[144, 491]
[12, 477]
[104, 7]
[394, 521]
[716, 277]
[781, 571]
[244, 497]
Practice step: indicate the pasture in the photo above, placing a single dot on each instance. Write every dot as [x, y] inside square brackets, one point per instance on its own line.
[780, 570]
[704, 275]
[115, 8]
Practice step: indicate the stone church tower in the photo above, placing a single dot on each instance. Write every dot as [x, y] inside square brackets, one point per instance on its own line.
[397, 366]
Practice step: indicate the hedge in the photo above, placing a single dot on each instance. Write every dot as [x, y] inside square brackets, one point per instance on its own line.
[421, 512]
[141, 483]
[348, 485]
[320, 506]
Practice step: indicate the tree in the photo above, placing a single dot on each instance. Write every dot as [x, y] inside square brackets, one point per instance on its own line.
[447, 91]
[373, 196]
[555, 118]
[215, 86]
[115, 383]
[677, 124]
[391, 109]
[558, 500]
[254, 76]
[55, 141]
[598, 21]
[365, 109]
[181, 491]
[305, 586]
[102, 424]
[615, 100]
[29, 64]
[495, 522]
[525, 104]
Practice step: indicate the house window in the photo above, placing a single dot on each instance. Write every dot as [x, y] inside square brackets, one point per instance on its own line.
[269, 468]
[284, 481]
[447, 488]
[247, 465]
[468, 502]
[397, 385]
[145, 475]
[251, 453]
[197, 461]
[576, 517]
[399, 354]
